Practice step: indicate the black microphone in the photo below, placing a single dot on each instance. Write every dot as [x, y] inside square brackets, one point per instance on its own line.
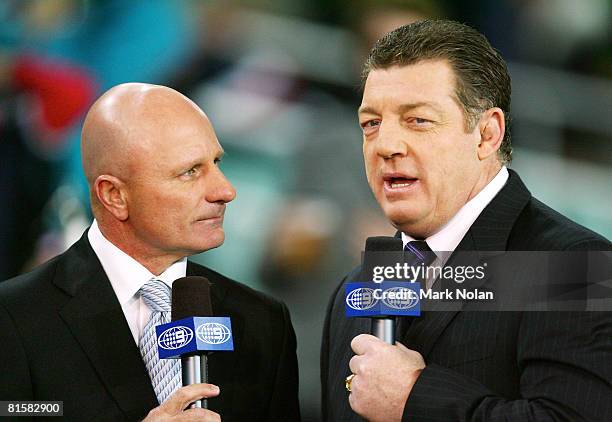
[191, 298]
[377, 252]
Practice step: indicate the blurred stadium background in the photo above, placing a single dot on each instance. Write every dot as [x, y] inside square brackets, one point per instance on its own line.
[280, 81]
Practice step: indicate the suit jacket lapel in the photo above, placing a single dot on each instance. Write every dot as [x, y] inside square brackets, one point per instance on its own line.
[95, 318]
[492, 228]
[488, 235]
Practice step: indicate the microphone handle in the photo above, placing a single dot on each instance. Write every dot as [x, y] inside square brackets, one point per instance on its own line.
[384, 329]
[195, 371]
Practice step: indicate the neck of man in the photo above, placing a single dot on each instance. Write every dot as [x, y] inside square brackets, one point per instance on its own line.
[154, 261]
[490, 169]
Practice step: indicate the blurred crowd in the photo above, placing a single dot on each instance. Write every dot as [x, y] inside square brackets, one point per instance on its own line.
[280, 80]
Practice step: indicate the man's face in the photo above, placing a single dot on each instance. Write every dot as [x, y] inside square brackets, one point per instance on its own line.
[176, 190]
[421, 162]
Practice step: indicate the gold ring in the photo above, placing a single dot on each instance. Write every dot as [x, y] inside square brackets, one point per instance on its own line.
[348, 381]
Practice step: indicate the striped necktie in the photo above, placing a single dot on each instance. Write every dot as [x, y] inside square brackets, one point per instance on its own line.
[165, 374]
[416, 253]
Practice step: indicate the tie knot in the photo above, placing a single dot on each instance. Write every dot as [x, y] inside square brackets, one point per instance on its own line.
[420, 252]
[157, 295]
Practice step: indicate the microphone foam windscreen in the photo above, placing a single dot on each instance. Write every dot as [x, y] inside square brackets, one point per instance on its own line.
[381, 251]
[383, 244]
[191, 298]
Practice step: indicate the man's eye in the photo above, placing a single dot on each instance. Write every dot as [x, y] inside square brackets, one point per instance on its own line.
[370, 127]
[419, 120]
[191, 172]
[370, 123]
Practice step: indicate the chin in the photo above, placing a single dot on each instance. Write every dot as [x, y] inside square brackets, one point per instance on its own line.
[401, 214]
[410, 223]
[215, 239]
[207, 242]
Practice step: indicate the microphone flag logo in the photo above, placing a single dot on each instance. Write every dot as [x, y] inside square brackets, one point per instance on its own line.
[194, 334]
[400, 298]
[368, 299]
[361, 299]
[175, 337]
[213, 333]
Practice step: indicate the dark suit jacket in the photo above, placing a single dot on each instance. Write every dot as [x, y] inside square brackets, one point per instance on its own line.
[63, 336]
[483, 366]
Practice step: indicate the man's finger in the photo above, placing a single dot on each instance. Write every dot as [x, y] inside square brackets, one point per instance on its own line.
[355, 364]
[185, 395]
[401, 346]
[364, 342]
[200, 415]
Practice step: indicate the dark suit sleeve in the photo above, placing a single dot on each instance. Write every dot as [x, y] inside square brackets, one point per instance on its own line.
[566, 375]
[284, 405]
[14, 372]
[324, 357]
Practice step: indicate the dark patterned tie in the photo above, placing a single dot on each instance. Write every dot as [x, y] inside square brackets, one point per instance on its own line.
[416, 253]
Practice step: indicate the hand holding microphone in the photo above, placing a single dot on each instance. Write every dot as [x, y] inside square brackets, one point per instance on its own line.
[190, 336]
[381, 370]
[384, 371]
[175, 407]
[191, 298]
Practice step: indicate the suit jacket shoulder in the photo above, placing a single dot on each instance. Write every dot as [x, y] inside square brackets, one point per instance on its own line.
[264, 352]
[515, 220]
[540, 226]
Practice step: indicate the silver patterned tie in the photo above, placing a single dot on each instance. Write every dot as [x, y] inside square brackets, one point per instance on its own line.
[165, 373]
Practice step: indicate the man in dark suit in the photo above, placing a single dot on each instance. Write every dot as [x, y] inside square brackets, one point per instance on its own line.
[434, 115]
[74, 329]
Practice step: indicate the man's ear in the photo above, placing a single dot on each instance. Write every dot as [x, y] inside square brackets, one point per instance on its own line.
[492, 129]
[112, 194]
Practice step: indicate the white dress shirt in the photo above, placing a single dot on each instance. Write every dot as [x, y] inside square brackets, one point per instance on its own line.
[127, 276]
[448, 237]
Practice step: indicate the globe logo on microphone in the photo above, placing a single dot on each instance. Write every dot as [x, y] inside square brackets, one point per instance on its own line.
[175, 337]
[400, 298]
[361, 299]
[213, 333]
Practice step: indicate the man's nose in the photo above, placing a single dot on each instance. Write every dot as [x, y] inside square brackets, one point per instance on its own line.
[391, 142]
[220, 190]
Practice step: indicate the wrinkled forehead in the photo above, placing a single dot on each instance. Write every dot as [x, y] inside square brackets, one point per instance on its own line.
[421, 82]
[172, 140]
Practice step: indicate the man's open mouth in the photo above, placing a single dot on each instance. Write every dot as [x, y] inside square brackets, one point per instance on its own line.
[398, 182]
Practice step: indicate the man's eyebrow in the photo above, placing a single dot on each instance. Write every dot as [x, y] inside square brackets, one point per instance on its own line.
[411, 106]
[189, 164]
[402, 108]
[366, 109]
[196, 162]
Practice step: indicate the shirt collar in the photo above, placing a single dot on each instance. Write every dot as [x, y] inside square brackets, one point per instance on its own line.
[125, 274]
[449, 236]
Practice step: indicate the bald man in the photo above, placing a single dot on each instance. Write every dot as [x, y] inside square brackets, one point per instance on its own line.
[72, 330]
